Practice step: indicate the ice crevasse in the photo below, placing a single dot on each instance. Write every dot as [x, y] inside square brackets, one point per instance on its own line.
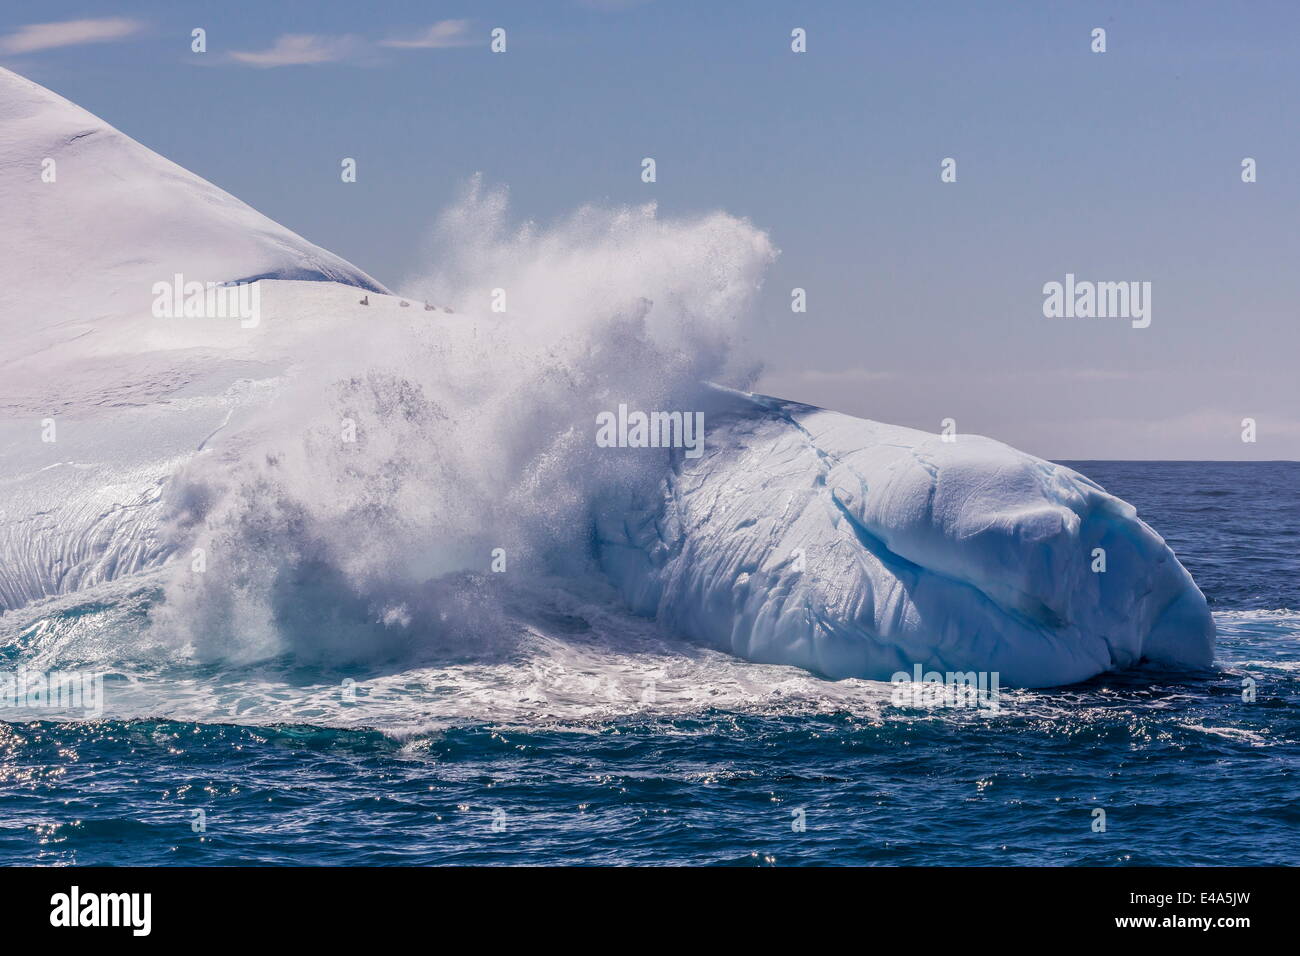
[857, 549]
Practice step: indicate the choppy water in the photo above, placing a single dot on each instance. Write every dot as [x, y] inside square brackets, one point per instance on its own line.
[585, 736]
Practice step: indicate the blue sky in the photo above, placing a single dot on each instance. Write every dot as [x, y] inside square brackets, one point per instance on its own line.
[925, 298]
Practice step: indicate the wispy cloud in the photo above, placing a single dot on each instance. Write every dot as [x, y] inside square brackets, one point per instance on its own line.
[47, 36]
[444, 33]
[301, 49]
[309, 49]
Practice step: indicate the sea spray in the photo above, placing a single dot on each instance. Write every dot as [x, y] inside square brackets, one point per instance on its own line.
[356, 516]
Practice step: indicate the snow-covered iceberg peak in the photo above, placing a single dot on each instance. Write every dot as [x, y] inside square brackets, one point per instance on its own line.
[856, 549]
[92, 219]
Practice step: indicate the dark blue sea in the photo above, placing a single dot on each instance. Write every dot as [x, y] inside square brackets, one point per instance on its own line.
[589, 738]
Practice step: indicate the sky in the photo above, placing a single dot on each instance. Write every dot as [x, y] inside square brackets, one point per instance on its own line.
[925, 298]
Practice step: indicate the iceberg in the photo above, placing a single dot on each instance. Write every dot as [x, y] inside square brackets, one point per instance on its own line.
[794, 535]
[856, 549]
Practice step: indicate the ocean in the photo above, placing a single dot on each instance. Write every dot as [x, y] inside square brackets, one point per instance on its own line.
[585, 736]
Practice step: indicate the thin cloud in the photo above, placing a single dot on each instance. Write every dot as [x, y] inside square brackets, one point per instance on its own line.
[300, 49]
[443, 34]
[48, 36]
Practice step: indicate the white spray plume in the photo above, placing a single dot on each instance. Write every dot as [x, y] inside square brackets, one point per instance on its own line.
[474, 431]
